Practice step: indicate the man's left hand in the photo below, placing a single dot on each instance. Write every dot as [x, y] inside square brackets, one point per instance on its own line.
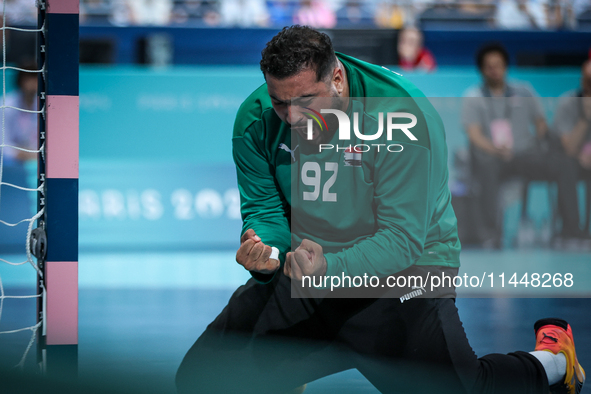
[307, 260]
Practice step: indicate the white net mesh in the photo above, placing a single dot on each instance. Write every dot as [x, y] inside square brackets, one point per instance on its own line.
[17, 119]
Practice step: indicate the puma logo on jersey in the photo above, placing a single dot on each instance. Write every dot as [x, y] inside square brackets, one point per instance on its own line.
[416, 292]
[291, 152]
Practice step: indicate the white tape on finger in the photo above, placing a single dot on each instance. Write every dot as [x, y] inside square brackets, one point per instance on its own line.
[274, 253]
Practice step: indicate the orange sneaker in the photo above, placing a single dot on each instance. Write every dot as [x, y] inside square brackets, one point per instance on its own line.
[556, 336]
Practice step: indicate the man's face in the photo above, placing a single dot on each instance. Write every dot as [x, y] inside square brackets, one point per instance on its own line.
[494, 69]
[305, 86]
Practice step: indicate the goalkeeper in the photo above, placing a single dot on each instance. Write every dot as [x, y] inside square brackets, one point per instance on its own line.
[338, 211]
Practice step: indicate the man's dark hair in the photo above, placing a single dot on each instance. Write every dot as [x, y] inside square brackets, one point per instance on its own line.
[295, 48]
[21, 75]
[489, 48]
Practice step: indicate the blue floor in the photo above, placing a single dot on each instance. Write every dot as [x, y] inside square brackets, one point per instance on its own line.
[139, 334]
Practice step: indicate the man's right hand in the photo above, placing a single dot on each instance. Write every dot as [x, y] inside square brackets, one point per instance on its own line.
[254, 254]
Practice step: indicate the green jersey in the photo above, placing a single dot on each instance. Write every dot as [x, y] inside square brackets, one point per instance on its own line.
[375, 210]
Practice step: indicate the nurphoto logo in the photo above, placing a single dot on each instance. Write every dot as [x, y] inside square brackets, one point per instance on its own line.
[392, 126]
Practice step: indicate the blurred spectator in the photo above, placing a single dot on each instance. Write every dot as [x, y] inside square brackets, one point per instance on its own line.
[522, 14]
[181, 12]
[210, 14]
[565, 13]
[244, 13]
[412, 55]
[20, 12]
[560, 14]
[478, 9]
[281, 12]
[389, 15]
[150, 12]
[141, 12]
[315, 13]
[572, 123]
[21, 127]
[499, 118]
[476, 6]
[20, 45]
[355, 13]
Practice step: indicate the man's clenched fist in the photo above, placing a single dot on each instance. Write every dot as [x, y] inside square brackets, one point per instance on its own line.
[307, 260]
[254, 255]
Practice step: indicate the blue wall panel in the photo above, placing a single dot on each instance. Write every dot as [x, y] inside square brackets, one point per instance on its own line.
[146, 205]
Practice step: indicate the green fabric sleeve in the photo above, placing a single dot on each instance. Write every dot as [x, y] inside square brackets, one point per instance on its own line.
[263, 207]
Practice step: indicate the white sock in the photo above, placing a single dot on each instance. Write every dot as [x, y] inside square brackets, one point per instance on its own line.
[554, 364]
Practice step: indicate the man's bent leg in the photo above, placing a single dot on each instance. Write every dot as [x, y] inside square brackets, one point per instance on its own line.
[517, 372]
[259, 344]
[431, 353]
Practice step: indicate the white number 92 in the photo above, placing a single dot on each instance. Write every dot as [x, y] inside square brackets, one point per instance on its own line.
[315, 180]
